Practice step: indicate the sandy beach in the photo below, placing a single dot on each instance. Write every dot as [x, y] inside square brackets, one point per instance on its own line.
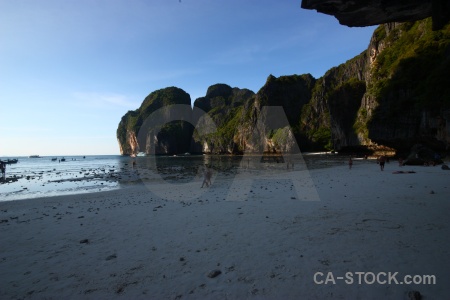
[268, 242]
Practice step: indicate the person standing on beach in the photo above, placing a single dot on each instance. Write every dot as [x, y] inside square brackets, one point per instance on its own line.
[3, 168]
[350, 163]
[207, 173]
[382, 161]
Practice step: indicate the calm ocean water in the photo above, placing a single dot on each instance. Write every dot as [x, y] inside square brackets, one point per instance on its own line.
[42, 177]
[39, 177]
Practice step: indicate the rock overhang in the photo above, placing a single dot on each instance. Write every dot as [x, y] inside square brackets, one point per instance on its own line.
[360, 13]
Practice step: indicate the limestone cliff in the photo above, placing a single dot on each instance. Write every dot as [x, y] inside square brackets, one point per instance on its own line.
[374, 12]
[291, 93]
[408, 90]
[173, 137]
[328, 118]
[393, 95]
[225, 106]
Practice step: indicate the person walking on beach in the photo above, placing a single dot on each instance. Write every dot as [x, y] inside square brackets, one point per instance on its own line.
[207, 173]
[350, 163]
[382, 161]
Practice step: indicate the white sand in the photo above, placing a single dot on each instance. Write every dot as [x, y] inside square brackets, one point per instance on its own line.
[267, 245]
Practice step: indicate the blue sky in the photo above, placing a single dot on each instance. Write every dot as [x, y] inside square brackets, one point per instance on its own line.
[69, 70]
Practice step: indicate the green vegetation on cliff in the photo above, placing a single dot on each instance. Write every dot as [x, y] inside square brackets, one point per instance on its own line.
[394, 94]
[410, 79]
[417, 62]
[131, 122]
[225, 106]
[334, 102]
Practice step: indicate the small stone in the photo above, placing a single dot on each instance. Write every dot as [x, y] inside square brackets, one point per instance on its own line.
[112, 256]
[414, 295]
[214, 273]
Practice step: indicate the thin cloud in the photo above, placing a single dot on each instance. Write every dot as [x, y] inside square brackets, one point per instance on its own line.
[257, 48]
[23, 129]
[104, 100]
[165, 75]
[237, 55]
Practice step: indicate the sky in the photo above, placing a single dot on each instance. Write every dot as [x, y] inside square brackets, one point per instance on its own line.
[69, 70]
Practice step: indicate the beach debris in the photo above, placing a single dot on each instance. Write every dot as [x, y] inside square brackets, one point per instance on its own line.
[112, 256]
[214, 273]
[414, 295]
[324, 262]
[89, 291]
[403, 172]
[120, 289]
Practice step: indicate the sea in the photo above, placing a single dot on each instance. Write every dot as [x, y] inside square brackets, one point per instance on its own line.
[48, 176]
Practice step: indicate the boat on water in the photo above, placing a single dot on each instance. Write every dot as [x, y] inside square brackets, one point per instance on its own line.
[34, 156]
[63, 159]
[10, 161]
[54, 159]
